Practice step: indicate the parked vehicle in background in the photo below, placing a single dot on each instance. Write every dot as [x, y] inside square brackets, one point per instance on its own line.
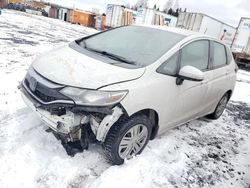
[241, 43]
[207, 25]
[117, 15]
[153, 17]
[31, 11]
[126, 85]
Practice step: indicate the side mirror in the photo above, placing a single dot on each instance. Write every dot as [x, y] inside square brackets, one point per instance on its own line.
[189, 73]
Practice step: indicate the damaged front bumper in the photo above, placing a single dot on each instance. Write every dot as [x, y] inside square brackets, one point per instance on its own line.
[67, 119]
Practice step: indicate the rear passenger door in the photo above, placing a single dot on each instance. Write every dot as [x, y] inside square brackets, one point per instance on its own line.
[221, 74]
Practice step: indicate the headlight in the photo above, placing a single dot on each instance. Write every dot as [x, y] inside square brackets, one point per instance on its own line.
[93, 97]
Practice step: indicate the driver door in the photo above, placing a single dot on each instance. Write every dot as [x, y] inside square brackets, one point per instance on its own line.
[192, 95]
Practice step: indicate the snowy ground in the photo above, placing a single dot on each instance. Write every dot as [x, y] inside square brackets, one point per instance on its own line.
[202, 153]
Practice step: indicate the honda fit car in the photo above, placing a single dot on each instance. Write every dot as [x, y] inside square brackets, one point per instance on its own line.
[125, 86]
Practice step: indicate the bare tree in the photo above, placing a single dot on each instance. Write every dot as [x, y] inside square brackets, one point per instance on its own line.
[176, 5]
[142, 3]
[170, 11]
[169, 4]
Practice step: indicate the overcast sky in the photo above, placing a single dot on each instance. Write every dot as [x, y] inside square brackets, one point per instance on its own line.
[228, 11]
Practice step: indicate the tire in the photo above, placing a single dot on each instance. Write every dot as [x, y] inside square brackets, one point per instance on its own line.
[220, 107]
[120, 136]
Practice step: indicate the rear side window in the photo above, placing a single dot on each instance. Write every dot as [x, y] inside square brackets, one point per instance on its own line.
[220, 55]
[229, 55]
[196, 54]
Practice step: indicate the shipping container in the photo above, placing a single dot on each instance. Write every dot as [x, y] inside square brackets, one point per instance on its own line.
[162, 18]
[114, 15]
[241, 42]
[127, 17]
[15, 1]
[153, 17]
[81, 18]
[117, 15]
[205, 24]
[145, 16]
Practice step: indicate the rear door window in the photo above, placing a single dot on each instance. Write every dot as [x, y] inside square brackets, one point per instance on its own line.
[220, 55]
[229, 55]
[196, 54]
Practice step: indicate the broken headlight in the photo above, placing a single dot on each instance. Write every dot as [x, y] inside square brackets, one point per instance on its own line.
[93, 97]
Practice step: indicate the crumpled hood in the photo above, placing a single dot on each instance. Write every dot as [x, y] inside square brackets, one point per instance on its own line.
[69, 67]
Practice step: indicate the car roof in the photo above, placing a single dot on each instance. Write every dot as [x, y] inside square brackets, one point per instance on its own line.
[180, 31]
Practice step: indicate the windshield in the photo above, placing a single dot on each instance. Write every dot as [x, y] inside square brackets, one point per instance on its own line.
[133, 44]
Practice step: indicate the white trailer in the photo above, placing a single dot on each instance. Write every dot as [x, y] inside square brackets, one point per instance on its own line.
[117, 15]
[241, 43]
[153, 17]
[205, 24]
[114, 15]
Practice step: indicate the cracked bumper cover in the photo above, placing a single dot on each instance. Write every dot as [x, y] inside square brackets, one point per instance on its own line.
[69, 124]
[64, 124]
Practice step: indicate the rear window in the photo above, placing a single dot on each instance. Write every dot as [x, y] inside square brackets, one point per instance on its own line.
[220, 55]
[141, 45]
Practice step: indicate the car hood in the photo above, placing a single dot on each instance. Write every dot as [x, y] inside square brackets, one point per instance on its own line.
[69, 67]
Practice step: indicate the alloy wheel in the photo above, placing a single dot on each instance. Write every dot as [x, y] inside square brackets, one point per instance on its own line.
[133, 141]
[221, 106]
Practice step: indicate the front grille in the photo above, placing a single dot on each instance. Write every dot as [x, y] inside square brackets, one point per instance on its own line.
[44, 97]
[46, 94]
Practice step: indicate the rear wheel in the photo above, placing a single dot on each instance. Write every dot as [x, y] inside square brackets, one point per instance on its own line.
[127, 138]
[220, 107]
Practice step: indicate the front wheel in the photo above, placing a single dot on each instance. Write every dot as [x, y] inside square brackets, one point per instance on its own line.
[220, 107]
[127, 138]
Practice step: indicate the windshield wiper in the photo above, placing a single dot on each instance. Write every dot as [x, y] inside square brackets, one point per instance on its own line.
[110, 55]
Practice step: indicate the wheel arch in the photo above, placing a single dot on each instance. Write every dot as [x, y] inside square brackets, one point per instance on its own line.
[229, 92]
[153, 117]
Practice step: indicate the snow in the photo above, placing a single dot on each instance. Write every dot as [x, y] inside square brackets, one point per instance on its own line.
[242, 91]
[202, 153]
